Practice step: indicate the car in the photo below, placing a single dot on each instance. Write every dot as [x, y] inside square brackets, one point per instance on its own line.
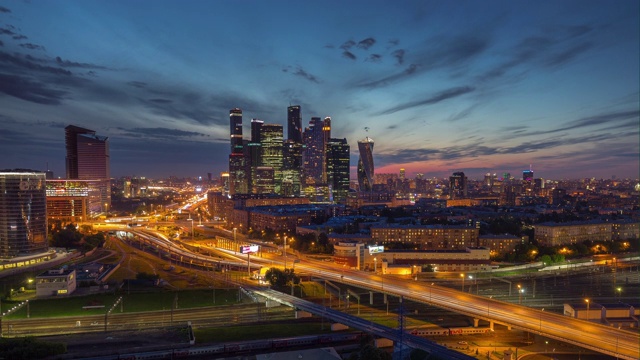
[463, 343]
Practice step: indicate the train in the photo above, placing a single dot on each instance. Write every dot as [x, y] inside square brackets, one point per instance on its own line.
[449, 331]
[235, 348]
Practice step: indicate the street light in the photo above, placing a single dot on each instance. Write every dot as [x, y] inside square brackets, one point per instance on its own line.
[470, 286]
[462, 276]
[234, 240]
[520, 291]
[284, 249]
[191, 227]
[587, 300]
[619, 290]
[375, 265]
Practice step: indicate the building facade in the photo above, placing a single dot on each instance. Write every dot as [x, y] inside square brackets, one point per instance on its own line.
[60, 282]
[365, 164]
[427, 237]
[553, 234]
[23, 213]
[338, 169]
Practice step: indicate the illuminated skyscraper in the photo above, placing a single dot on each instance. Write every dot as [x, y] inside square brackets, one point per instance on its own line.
[238, 177]
[365, 164]
[457, 186]
[23, 213]
[338, 169]
[527, 175]
[292, 167]
[88, 159]
[294, 124]
[313, 154]
[272, 142]
[235, 130]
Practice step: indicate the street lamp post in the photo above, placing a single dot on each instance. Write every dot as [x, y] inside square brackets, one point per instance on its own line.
[587, 300]
[520, 291]
[284, 250]
[619, 290]
[462, 276]
[234, 240]
[375, 265]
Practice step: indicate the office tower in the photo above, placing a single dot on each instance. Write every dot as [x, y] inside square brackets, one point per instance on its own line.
[263, 181]
[292, 168]
[238, 179]
[23, 213]
[365, 164]
[235, 130]
[256, 125]
[402, 174]
[527, 175]
[338, 169]
[294, 124]
[326, 136]
[88, 159]
[271, 139]
[314, 152]
[67, 200]
[457, 186]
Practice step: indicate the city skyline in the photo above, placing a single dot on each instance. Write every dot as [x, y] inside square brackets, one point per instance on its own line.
[441, 87]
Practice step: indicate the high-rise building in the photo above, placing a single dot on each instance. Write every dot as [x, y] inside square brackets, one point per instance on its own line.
[235, 130]
[23, 213]
[338, 169]
[365, 164]
[457, 186]
[402, 174]
[294, 124]
[314, 152]
[527, 175]
[326, 136]
[238, 179]
[256, 126]
[68, 200]
[271, 139]
[88, 159]
[292, 168]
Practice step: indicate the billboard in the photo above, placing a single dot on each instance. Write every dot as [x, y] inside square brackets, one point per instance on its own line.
[247, 249]
[376, 249]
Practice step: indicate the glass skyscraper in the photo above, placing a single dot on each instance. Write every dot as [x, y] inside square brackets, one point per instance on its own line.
[23, 213]
[365, 164]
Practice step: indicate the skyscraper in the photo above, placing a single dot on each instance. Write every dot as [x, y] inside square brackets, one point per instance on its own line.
[23, 213]
[294, 124]
[365, 164]
[292, 167]
[88, 159]
[315, 150]
[338, 169]
[235, 130]
[272, 142]
[457, 186]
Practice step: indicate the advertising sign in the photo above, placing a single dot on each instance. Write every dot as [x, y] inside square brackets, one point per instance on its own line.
[247, 249]
[376, 249]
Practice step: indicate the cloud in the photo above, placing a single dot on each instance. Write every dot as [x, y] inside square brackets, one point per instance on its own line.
[23, 88]
[137, 84]
[441, 96]
[1, 43]
[348, 55]
[376, 58]
[4, 10]
[365, 44]
[6, 31]
[595, 120]
[32, 46]
[447, 53]
[19, 37]
[347, 45]
[299, 71]
[161, 101]
[11, 62]
[399, 55]
[393, 42]
[161, 133]
[568, 55]
[67, 63]
[462, 114]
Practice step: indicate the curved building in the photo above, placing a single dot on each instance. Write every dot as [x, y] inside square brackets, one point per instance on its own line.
[365, 164]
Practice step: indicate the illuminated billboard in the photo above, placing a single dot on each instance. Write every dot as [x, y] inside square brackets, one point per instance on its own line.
[376, 249]
[247, 249]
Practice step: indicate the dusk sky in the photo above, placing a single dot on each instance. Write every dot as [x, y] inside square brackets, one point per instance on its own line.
[441, 86]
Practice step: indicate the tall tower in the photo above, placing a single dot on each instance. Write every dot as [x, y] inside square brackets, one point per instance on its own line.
[457, 186]
[313, 152]
[23, 213]
[235, 130]
[88, 159]
[338, 169]
[271, 140]
[294, 124]
[365, 164]
[238, 177]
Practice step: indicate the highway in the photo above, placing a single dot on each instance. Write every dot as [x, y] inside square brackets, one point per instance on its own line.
[606, 340]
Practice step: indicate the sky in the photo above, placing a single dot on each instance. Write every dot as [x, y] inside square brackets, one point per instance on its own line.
[440, 86]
